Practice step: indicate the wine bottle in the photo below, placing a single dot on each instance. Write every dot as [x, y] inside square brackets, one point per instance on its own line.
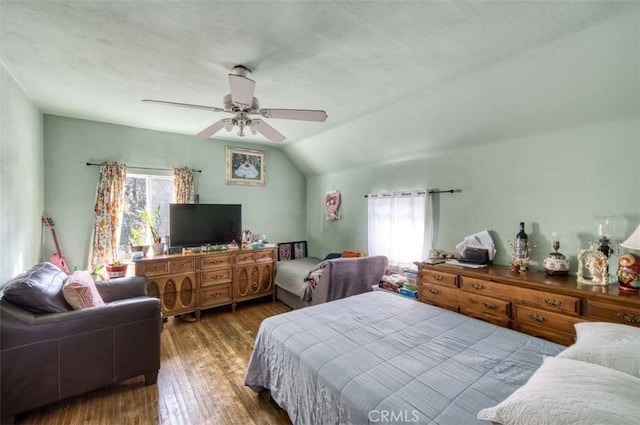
[521, 242]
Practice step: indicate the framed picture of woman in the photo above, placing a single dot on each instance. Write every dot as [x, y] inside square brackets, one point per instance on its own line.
[244, 166]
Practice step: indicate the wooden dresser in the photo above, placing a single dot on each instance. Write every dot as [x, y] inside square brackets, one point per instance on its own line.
[194, 282]
[530, 302]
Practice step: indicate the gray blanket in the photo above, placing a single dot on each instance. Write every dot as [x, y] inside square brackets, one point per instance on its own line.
[354, 360]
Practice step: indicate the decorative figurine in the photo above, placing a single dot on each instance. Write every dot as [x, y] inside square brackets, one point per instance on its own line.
[596, 263]
[628, 273]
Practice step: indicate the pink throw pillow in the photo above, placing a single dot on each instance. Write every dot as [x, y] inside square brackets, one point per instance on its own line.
[80, 291]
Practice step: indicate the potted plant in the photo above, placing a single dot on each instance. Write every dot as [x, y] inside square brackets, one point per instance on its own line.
[151, 219]
[98, 272]
[137, 242]
[116, 269]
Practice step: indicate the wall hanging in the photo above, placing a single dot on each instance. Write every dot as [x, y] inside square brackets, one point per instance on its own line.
[332, 203]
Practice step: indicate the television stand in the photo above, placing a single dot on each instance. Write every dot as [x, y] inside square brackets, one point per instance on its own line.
[195, 282]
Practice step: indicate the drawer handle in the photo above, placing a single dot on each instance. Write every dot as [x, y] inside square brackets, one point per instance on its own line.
[490, 305]
[434, 291]
[553, 303]
[438, 277]
[535, 317]
[478, 286]
[215, 295]
[631, 318]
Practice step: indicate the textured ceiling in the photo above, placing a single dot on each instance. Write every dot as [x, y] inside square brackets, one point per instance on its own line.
[97, 60]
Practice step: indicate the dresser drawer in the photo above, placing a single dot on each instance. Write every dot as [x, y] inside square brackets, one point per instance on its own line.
[244, 258]
[611, 313]
[487, 305]
[565, 304]
[545, 333]
[152, 268]
[485, 287]
[439, 294]
[263, 255]
[496, 320]
[216, 294]
[214, 261]
[182, 265]
[214, 277]
[547, 319]
[441, 278]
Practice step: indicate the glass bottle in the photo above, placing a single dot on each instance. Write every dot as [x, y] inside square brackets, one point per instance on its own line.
[521, 242]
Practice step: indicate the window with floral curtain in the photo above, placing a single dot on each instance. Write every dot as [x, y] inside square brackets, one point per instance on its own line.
[183, 185]
[108, 214]
[400, 226]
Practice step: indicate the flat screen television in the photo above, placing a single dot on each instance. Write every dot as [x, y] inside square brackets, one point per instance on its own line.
[201, 224]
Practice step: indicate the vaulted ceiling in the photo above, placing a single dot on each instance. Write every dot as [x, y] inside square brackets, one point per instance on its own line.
[396, 78]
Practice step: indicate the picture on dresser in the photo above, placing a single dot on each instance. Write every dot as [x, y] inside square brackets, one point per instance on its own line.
[244, 166]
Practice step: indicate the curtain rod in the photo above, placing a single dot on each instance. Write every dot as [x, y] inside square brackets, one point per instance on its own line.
[419, 192]
[444, 191]
[147, 168]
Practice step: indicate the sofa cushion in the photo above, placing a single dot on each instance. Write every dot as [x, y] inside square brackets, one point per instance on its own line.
[351, 254]
[80, 291]
[38, 289]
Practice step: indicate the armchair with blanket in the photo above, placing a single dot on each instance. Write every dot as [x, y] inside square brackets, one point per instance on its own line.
[309, 281]
[50, 351]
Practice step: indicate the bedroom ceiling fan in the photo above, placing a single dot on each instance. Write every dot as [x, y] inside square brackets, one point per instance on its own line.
[243, 105]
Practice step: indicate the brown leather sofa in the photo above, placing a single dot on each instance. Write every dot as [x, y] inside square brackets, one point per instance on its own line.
[47, 357]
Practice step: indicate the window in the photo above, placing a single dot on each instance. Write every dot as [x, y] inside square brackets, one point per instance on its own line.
[145, 191]
[399, 226]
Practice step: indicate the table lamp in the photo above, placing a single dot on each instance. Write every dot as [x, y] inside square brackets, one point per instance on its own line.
[628, 273]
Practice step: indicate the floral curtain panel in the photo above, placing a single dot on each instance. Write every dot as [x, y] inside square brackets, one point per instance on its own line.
[183, 185]
[108, 214]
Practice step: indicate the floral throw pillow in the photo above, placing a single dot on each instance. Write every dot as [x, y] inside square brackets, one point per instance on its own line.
[80, 291]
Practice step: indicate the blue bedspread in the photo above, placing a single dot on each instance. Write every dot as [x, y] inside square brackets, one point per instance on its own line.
[379, 356]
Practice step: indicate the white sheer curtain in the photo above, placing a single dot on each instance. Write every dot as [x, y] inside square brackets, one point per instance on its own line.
[400, 226]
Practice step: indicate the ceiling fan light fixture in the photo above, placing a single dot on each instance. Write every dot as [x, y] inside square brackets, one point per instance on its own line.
[242, 104]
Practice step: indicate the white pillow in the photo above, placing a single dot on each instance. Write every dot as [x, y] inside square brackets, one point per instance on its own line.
[607, 344]
[564, 391]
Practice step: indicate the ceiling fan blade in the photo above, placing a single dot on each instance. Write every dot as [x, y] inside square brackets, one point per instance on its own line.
[212, 129]
[295, 114]
[267, 131]
[184, 105]
[242, 89]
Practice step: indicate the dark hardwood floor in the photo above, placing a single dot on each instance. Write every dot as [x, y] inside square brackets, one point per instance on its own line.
[201, 379]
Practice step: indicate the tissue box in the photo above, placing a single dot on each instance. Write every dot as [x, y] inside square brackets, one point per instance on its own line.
[408, 293]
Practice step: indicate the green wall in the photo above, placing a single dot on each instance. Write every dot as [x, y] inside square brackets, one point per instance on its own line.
[277, 209]
[21, 179]
[553, 181]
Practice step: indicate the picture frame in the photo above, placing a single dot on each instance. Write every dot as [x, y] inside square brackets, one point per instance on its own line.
[594, 263]
[245, 166]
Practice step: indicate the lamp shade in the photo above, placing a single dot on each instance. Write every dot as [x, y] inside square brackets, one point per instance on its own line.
[633, 241]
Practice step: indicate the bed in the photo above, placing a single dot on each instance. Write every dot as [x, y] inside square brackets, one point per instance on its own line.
[302, 281]
[378, 357]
